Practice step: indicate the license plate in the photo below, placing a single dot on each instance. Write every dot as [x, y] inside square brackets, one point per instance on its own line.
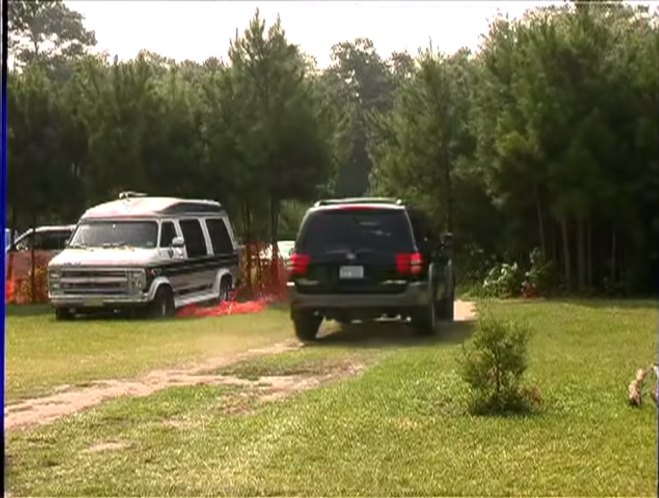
[351, 272]
[93, 303]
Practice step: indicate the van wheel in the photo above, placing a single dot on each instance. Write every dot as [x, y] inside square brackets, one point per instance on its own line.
[63, 314]
[162, 305]
[225, 287]
[306, 325]
[424, 321]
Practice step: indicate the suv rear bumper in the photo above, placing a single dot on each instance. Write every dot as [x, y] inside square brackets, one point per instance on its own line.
[415, 295]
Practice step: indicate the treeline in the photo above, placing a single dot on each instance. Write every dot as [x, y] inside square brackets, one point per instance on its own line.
[547, 137]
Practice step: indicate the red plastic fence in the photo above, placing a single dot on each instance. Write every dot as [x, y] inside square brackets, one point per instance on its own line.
[263, 280]
[18, 284]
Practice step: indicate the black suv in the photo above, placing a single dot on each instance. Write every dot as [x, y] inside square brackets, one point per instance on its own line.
[367, 258]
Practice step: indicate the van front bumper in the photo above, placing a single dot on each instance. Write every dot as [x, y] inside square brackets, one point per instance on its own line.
[98, 301]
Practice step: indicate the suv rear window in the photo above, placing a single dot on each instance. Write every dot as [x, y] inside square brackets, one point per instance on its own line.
[375, 229]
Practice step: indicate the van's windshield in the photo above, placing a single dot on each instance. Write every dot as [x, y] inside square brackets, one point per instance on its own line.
[115, 234]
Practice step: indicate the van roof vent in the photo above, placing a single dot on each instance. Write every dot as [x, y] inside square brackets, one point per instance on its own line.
[130, 194]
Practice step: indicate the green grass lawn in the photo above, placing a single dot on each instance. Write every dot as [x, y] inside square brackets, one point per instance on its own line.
[399, 428]
[43, 353]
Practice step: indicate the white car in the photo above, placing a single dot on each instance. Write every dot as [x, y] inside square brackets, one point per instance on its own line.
[45, 238]
[284, 247]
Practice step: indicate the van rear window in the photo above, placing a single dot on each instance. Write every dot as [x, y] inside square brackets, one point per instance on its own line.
[372, 229]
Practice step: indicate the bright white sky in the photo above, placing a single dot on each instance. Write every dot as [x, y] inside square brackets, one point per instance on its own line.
[197, 30]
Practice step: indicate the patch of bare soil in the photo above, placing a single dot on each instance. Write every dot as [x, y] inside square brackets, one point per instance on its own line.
[270, 388]
[107, 446]
[464, 311]
[66, 401]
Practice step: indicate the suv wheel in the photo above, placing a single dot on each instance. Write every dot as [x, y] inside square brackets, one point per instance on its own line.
[425, 320]
[63, 314]
[306, 325]
[449, 304]
[162, 305]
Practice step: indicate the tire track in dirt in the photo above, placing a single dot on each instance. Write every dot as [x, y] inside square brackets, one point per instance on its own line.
[67, 400]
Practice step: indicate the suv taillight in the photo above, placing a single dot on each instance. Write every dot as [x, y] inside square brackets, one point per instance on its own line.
[409, 263]
[299, 264]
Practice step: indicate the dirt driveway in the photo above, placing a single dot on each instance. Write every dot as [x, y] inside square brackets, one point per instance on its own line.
[67, 400]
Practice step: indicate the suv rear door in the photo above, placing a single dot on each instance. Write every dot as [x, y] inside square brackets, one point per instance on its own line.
[353, 250]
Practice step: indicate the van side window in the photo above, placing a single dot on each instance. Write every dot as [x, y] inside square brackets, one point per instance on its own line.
[195, 241]
[167, 233]
[219, 236]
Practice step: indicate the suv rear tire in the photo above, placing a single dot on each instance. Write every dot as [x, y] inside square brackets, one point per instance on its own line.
[424, 321]
[446, 308]
[306, 325]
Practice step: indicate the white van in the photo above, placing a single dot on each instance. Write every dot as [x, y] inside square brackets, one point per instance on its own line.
[155, 253]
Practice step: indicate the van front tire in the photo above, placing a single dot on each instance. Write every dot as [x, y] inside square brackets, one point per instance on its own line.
[162, 305]
[63, 314]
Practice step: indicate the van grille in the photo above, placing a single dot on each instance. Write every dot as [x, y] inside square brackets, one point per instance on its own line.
[94, 282]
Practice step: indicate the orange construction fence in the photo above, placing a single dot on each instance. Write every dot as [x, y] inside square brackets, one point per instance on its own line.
[261, 278]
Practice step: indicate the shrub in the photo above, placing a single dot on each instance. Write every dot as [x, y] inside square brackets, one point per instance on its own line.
[542, 278]
[503, 280]
[493, 363]
[473, 264]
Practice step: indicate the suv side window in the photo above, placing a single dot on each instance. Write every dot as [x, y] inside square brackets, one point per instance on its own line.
[195, 242]
[167, 233]
[219, 235]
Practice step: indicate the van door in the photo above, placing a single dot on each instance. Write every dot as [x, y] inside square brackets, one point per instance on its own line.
[199, 264]
[224, 248]
[171, 259]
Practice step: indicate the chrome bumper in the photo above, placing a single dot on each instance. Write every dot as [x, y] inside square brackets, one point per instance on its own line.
[98, 301]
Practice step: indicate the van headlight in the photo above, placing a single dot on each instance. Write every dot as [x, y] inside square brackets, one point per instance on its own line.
[137, 279]
[54, 279]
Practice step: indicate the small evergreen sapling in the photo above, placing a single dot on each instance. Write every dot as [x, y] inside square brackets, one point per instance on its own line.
[493, 364]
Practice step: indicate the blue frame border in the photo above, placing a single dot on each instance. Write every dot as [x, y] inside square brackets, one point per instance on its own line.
[3, 216]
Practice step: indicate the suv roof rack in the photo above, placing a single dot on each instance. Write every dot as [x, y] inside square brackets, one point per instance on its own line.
[359, 200]
[128, 194]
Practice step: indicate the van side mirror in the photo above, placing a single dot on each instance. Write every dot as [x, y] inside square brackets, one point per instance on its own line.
[178, 242]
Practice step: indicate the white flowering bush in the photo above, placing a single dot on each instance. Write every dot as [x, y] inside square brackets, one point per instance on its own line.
[503, 280]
